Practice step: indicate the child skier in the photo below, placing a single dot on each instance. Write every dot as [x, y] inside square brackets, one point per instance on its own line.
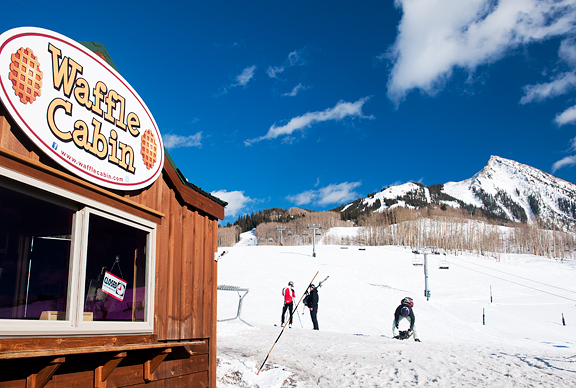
[289, 295]
[404, 311]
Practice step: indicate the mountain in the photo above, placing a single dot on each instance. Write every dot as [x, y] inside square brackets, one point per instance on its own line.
[503, 190]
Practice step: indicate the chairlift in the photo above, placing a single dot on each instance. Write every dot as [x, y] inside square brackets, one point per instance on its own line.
[443, 264]
[417, 259]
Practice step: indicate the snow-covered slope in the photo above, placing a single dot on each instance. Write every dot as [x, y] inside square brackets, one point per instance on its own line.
[487, 323]
[504, 189]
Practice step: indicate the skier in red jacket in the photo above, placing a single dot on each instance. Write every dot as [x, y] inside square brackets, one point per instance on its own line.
[289, 295]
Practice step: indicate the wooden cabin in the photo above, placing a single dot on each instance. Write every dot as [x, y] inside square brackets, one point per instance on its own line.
[65, 240]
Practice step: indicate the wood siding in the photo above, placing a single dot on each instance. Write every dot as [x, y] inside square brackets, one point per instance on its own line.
[185, 287]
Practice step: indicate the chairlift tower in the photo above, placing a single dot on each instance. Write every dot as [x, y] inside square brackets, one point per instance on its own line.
[313, 227]
[281, 229]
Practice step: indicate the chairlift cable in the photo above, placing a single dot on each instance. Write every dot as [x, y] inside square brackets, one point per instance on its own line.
[519, 284]
[518, 276]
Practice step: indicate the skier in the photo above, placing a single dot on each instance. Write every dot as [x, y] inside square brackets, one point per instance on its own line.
[289, 295]
[404, 311]
[313, 305]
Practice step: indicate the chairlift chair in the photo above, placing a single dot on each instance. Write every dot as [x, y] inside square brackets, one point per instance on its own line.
[443, 264]
[417, 260]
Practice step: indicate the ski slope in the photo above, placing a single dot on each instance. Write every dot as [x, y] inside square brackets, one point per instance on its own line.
[518, 339]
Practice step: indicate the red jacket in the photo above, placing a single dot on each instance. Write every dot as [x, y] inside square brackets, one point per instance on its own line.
[288, 295]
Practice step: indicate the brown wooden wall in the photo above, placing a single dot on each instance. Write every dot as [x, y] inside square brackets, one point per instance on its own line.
[185, 292]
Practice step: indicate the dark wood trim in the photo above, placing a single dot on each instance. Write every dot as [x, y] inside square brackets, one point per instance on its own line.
[196, 346]
[191, 197]
[40, 171]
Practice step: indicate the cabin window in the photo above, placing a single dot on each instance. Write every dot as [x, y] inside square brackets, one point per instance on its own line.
[35, 246]
[115, 271]
[71, 265]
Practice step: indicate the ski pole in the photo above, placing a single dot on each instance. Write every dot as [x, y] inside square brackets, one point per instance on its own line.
[296, 313]
[283, 327]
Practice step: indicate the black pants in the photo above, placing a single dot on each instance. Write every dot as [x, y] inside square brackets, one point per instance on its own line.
[314, 316]
[287, 306]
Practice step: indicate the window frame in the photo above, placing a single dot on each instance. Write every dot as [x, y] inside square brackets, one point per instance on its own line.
[74, 325]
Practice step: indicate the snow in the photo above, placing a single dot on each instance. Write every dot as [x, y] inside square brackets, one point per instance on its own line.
[516, 189]
[393, 192]
[339, 233]
[522, 343]
[462, 191]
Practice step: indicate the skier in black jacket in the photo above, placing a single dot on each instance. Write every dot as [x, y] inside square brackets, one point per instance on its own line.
[313, 305]
[404, 311]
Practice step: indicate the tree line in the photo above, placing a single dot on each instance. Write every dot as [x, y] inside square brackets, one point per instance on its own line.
[448, 229]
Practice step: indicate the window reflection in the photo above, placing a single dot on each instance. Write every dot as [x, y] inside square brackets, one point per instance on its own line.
[35, 242]
[116, 261]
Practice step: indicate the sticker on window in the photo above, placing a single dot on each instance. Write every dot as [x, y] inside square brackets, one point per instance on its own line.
[114, 286]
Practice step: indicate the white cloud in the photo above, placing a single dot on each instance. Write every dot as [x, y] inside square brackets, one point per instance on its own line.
[567, 52]
[273, 70]
[566, 117]
[568, 161]
[241, 80]
[295, 58]
[331, 194]
[177, 141]
[237, 201]
[560, 84]
[295, 90]
[340, 111]
[437, 36]
[245, 77]
[304, 198]
[573, 144]
[564, 83]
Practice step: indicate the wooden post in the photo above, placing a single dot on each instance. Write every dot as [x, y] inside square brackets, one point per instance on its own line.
[155, 359]
[134, 286]
[40, 379]
[104, 371]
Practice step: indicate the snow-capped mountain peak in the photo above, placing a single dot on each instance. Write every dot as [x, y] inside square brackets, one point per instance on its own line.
[504, 189]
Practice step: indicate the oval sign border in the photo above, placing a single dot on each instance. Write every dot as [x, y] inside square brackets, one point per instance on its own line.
[32, 37]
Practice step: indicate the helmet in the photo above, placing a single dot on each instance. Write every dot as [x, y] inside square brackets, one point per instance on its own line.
[405, 311]
[312, 285]
[291, 284]
[407, 301]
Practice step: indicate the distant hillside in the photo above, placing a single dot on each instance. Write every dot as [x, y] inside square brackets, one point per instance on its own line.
[503, 190]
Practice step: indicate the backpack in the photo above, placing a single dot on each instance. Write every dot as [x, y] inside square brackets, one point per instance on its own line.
[306, 300]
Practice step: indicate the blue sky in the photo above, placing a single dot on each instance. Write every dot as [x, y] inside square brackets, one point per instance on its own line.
[317, 103]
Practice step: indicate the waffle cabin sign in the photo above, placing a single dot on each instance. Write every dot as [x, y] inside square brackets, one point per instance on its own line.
[78, 109]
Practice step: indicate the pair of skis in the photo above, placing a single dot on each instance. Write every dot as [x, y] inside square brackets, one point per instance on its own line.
[286, 324]
[307, 293]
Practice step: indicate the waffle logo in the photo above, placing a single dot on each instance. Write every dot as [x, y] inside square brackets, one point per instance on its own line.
[25, 75]
[79, 110]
